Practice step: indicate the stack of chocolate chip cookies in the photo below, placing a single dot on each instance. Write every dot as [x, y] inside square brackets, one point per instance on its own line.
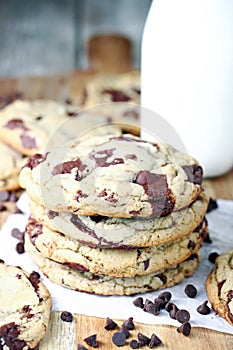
[115, 215]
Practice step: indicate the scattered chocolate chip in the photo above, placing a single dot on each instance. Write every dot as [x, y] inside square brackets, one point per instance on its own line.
[138, 302]
[212, 257]
[182, 316]
[66, 316]
[169, 306]
[92, 341]
[4, 196]
[204, 309]
[16, 233]
[153, 309]
[194, 173]
[173, 311]
[17, 210]
[13, 197]
[185, 329]
[143, 339]
[160, 303]
[134, 344]
[20, 248]
[119, 339]
[147, 302]
[81, 347]
[165, 296]
[154, 341]
[212, 205]
[190, 290]
[129, 324]
[110, 324]
[2, 261]
[126, 332]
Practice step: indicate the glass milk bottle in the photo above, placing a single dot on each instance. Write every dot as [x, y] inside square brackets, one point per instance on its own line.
[187, 77]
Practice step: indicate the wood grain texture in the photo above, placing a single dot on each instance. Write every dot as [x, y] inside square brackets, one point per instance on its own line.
[66, 336]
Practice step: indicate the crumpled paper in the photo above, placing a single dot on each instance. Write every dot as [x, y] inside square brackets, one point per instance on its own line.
[118, 307]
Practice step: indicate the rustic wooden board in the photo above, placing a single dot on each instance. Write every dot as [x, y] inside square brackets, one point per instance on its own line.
[66, 336]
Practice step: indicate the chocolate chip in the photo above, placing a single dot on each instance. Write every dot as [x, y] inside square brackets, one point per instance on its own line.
[35, 160]
[126, 332]
[146, 264]
[194, 173]
[110, 324]
[67, 167]
[169, 306]
[119, 339]
[147, 302]
[4, 196]
[16, 123]
[182, 316]
[160, 303]
[92, 341]
[28, 141]
[116, 95]
[190, 290]
[212, 205]
[16, 233]
[2, 261]
[20, 248]
[166, 296]
[212, 257]
[138, 302]
[153, 309]
[173, 311]
[81, 347]
[134, 344]
[185, 329]
[66, 316]
[204, 309]
[154, 341]
[13, 197]
[191, 245]
[143, 339]
[129, 324]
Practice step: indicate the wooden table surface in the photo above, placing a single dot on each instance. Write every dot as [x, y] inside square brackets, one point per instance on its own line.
[66, 336]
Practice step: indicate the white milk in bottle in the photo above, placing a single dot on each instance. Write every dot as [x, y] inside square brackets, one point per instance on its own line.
[187, 77]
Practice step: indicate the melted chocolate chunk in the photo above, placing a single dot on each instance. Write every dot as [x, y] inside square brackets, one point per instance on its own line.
[191, 245]
[35, 160]
[34, 229]
[79, 195]
[229, 299]
[220, 284]
[101, 157]
[28, 141]
[76, 266]
[52, 214]
[33, 278]
[16, 123]
[9, 335]
[146, 264]
[194, 173]
[156, 188]
[162, 277]
[131, 156]
[66, 168]
[116, 95]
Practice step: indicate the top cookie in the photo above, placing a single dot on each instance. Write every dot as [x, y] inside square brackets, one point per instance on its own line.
[113, 176]
[28, 126]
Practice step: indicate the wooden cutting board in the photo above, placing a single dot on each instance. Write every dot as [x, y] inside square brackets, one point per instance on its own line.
[66, 336]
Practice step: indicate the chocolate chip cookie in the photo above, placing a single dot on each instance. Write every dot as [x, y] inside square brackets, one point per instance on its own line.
[113, 176]
[25, 308]
[72, 278]
[28, 126]
[106, 232]
[219, 286]
[113, 262]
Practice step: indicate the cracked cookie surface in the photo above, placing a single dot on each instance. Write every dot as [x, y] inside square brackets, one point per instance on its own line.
[113, 176]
